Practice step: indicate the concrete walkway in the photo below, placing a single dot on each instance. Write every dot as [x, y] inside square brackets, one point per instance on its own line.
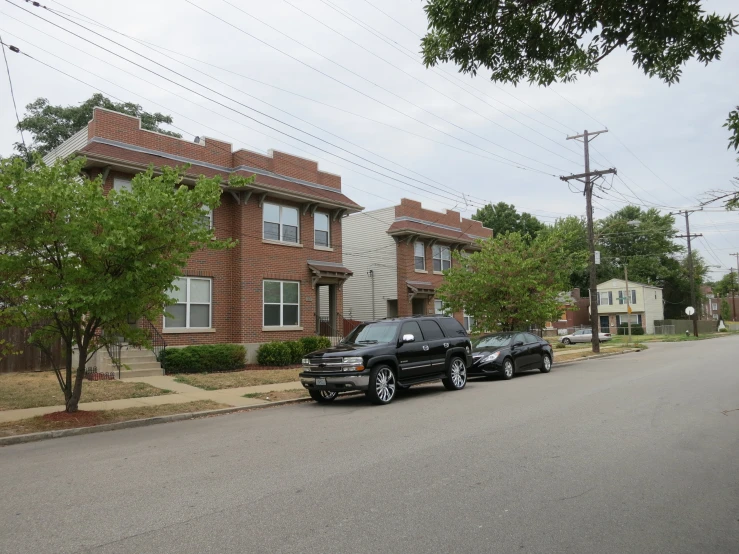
[182, 393]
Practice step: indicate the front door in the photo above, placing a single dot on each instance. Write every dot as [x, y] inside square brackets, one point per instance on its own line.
[413, 357]
[419, 305]
[605, 327]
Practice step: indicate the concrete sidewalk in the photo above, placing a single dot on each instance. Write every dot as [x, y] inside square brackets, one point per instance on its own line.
[182, 393]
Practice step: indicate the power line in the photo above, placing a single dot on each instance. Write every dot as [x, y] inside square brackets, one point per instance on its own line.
[12, 95]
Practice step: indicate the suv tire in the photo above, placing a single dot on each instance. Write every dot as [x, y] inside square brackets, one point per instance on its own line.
[456, 374]
[323, 396]
[382, 385]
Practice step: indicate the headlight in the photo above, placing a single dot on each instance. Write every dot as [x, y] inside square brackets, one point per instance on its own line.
[492, 357]
[355, 362]
[306, 361]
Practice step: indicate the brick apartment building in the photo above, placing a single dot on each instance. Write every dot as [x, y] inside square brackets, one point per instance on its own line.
[397, 255]
[287, 267]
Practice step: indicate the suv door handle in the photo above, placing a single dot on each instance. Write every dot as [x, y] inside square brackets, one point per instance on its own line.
[425, 347]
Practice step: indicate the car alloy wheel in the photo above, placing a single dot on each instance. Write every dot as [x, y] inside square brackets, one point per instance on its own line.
[385, 384]
[459, 373]
[508, 369]
[566, 341]
[546, 364]
[323, 395]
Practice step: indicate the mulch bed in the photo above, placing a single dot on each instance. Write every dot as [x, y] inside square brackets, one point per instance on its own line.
[81, 417]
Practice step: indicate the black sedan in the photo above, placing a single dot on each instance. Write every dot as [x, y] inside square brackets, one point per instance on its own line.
[505, 354]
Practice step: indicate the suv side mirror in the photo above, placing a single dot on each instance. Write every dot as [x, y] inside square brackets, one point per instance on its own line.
[408, 338]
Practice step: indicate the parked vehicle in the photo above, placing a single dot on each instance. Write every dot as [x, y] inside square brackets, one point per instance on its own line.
[383, 356]
[583, 335]
[506, 354]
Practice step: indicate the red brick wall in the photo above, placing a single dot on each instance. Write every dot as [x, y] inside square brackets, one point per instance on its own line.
[411, 208]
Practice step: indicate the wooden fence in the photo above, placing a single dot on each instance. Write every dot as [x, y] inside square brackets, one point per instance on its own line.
[30, 357]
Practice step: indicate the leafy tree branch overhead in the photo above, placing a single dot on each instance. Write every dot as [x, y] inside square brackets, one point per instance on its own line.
[547, 41]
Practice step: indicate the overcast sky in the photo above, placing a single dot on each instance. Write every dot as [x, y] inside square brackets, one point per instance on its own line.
[463, 141]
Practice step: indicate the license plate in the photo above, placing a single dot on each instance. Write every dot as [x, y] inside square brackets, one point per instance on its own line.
[320, 381]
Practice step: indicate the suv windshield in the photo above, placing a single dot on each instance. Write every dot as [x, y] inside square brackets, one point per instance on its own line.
[373, 333]
[491, 341]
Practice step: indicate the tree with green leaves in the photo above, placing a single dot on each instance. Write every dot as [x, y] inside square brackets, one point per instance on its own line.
[52, 125]
[503, 218]
[546, 41]
[510, 283]
[725, 285]
[725, 311]
[78, 264]
[572, 233]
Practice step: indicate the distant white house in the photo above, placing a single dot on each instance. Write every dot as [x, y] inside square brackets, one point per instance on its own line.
[646, 304]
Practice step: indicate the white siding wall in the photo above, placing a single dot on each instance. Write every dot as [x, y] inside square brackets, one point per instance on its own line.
[367, 232]
[654, 308]
[76, 142]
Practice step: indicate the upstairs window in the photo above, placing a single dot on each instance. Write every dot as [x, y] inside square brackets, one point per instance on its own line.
[206, 219]
[419, 256]
[442, 257]
[280, 223]
[622, 296]
[605, 298]
[122, 184]
[321, 229]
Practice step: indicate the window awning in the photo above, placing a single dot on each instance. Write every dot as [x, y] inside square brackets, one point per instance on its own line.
[420, 289]
[328, 273]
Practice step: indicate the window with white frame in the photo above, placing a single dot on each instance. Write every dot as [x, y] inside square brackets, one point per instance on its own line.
[281, 303]
[280, 223]
[622, 296]
[419, 256]
[635, 319]
[714, 306]
[605, 298]
[439, 307]
[207, 218]
[122, 184]
[321, 229]
[442, 257]
[193, 307]
[469, 322]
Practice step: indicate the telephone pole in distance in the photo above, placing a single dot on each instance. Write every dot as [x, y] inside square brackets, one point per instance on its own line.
[691, 269]
[733, 287]
[587, 179]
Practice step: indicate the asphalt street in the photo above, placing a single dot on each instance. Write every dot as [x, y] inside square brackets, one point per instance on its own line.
[634, 453]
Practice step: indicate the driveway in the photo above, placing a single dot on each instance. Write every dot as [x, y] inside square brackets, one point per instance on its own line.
[628, 454]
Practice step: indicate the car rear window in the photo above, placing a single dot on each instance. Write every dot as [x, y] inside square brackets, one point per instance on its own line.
[431, 329]
[451, 327]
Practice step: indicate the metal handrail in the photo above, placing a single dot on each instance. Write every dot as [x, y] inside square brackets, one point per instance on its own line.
[158, 344]
[114, 351]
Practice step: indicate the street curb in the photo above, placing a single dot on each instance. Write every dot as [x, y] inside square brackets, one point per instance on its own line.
[33, 437]
[608, 355]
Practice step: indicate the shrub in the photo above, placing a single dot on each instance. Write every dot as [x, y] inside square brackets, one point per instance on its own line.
[203, 358]
[724, 330]
[274, 353]
[635, 329]
[296, 351]
[313, 343]
[559, 345]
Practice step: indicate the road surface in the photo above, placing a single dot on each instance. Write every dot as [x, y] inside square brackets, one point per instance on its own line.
[634, 453]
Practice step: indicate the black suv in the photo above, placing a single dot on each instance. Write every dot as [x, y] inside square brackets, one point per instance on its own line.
[380, 357]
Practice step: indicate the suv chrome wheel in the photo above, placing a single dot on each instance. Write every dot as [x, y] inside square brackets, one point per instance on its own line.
[323, 395]
[456, 377]
[385, 384]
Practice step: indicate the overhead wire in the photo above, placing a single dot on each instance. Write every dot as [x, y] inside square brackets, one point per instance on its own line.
[12, 96]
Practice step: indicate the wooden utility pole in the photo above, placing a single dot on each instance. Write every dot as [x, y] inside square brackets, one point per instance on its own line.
[587, 179]
[733, 288]
[691, 269]
[628, 302]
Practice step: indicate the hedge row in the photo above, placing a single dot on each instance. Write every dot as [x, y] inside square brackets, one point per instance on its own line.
[291, 351]
[202, 358]
[635, 329]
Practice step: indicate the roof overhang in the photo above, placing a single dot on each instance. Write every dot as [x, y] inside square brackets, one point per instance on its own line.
[328, 273]
[420, 289]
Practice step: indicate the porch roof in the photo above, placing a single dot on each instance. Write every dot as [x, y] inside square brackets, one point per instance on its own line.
[328, 273]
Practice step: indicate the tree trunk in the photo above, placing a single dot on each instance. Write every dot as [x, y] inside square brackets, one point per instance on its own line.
[68, 381]
[75, 393]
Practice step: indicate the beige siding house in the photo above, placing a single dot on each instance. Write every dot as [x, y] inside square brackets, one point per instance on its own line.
[645, 301]
[370, 252]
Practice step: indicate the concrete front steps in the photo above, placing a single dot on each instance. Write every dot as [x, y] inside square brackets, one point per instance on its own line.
[137, 362]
